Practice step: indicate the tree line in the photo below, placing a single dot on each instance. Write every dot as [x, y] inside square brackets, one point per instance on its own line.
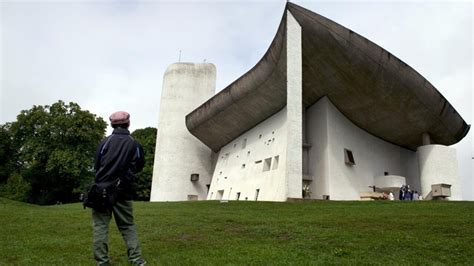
[47, 154]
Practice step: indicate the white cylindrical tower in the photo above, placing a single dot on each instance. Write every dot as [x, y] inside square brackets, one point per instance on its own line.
[183, 165]
[438, 165]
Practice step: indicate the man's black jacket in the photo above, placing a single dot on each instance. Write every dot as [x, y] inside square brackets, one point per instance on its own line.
[119, 155]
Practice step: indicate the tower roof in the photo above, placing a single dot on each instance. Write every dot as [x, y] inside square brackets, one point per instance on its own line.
[374, 89]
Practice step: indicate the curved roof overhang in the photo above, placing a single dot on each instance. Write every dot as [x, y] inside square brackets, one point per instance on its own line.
[375, 90]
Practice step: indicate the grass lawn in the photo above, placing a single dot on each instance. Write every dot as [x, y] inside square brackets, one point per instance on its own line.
[255, 233]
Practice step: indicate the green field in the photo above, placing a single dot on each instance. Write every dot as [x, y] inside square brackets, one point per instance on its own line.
[255, 233]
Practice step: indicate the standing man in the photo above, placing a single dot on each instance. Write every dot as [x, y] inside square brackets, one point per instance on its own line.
[118, 158]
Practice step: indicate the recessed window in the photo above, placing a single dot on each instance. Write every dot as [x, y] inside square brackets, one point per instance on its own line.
[237, 196]
[243, 166]
[385, 173]
[257, 191]
[244, 143]
[194, 177]
[220, 194]
[260, 136]
[235, 145]
[266, 164]
[259, 161]
[348, 157]
[248, 153]
[275, 162]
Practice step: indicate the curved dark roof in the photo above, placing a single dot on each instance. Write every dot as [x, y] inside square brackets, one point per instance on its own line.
[375, 90]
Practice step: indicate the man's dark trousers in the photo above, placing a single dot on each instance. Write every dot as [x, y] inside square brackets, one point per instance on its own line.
[123, 216]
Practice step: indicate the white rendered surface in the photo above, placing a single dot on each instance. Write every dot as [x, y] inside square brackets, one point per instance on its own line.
[240, 167]
[316, 124]
[389, 181]
[329, 133]
[438, 164]
[178, 153]
[294, 107]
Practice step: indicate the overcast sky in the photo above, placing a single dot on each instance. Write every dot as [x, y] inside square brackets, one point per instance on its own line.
[111, 55]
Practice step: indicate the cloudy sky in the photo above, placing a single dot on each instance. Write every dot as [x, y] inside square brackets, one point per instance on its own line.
[110, 55]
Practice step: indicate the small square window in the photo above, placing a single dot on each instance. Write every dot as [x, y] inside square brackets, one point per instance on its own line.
[275, 162]
[244, 143]
[243, 166]
[266, 164]
[194, 177]
[348, 157]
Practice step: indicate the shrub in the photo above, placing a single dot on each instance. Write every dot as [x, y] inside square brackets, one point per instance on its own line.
[16, 188]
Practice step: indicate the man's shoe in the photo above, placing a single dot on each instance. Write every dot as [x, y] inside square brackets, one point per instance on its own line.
[139, 262]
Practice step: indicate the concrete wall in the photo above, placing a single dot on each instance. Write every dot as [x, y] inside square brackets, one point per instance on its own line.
[249, 163]
[294, 75]
[316, 135]
[330, 132]
[178, 153]
[390, 181]
[438, 164]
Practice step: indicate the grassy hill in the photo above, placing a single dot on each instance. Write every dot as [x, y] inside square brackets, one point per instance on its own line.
[256, 233]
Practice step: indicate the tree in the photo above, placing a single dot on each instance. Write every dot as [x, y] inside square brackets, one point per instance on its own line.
[147, 138]
[7, 153]
[56, 146]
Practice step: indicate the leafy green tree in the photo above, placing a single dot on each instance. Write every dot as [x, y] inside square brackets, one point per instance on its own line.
[56, 146]
[7, 154]
[147, 138]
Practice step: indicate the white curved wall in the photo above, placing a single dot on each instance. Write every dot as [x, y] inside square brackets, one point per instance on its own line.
[330, 132]
[438, 164]
[178, 153]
